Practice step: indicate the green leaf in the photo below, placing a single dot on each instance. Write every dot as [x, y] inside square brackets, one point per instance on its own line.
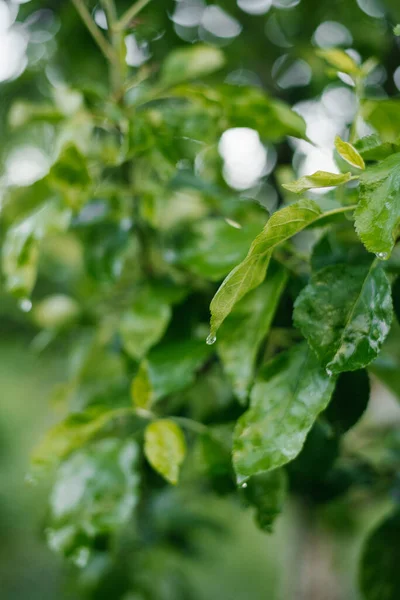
[377, 216]
[345, 313]
[371, 147]
[349, 153]
[396, 30]
[70, 434]
[165, 448]
[379, 569]
[173, 365]
[319, 179]
[141, 389]
[188, 63]
[349, 400]
[245, 328]
[384, 116]
[340, 60]
[56, 311]
[214, 248]
[20, 252]
[251, 271]
[70, 176]
[267, 493]
[95, 493]
[387, 366]
[288, 395]
[144, 324]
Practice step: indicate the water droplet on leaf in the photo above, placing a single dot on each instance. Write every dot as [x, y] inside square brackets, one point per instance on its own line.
[382, 255]
[25, 304]
[244, 485]
[329, 372]
[211, 339]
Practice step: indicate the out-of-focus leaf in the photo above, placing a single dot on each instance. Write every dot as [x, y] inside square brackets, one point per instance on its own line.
[319, 179]
[141, 389]
[22, 112]
[165, 448]
[242, 332]
[70, 434]
[288, 395]
[371, 147]
[396, 30]
[345, 313]
[70, 176]
[387, 366]
[340, 60]
[95, 493]
[20, 253]
[379, 569]
[349, 153]
[55, 311]
[143, 325]
[396, 298]
[349, 400]
[173, 365]
[214, 248]
[377, 216]
[384, 116]
[267, 493]
[251, 271]
[188, 63]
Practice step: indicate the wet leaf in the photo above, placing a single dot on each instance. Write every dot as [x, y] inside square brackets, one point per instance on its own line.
[377, 216]
[165, 448]
[251, 271]
[267, 493]
[319, 179]
[287, 397]
[379, 569]
[345, 313]
[349, 153]
[245, 328]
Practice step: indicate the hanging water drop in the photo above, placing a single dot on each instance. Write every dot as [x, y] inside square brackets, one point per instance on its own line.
[25, 304]
[329, 372]
[382, 255]
[211, 339]
[244, 486]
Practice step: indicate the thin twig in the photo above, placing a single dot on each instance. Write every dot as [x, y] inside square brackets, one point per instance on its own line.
[130, 14]
[99, 38]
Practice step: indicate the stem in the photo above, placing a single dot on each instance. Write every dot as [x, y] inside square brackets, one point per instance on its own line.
[117, 69]
[337, 211]
[98, 37]
[127, 17]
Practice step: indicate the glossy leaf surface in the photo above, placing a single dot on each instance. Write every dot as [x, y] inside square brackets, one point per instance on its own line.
[165, 448]
[319, 179]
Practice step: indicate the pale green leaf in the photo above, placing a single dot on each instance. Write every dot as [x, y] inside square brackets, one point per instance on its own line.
[251, 271]
[396, 30]
[340, 60]
[141, 388]
[190, 62]
[349, 153]
[384, 116]
[288, 395]
[240, 336]
[345, 313]
[165, 448]
[319, 179]
[377, 216]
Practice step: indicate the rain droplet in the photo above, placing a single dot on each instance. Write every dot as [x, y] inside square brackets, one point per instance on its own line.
[382, 255]
[329, 372]
[25, 304]
[211, 339]
[244, 485]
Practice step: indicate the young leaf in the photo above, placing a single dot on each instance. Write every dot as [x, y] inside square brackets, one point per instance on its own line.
[340, 60]
[95, 493]
[251, 271]
[190, 62]
[345, 313]
[241, 334]
[141, 389]
[349, 400]
[319, 179]
[267, 493]
[288, 395]
[165, 448]
[379, 569]
[377, 216]
[349, 153]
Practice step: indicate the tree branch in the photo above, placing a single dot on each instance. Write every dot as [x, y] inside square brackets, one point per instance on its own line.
[130, 14]
[99, 38]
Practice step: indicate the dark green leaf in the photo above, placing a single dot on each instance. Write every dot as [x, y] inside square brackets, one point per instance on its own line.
[251, 272]
[377, 217]
[349, 400]
[379, 569]
[345, 313]
[371, 147]
[241, 334]
[165, 448]
[267, 493]
[288, 395]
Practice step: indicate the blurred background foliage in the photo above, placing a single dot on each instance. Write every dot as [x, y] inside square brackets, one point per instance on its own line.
[52, 77]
